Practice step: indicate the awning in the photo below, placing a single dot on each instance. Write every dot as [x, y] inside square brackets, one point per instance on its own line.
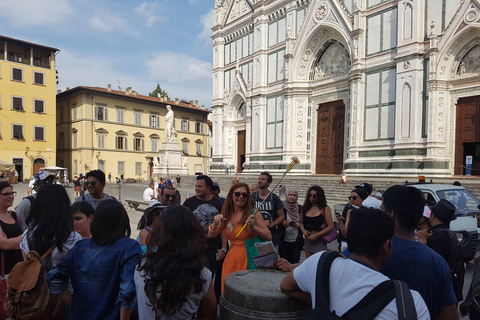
[6, 166]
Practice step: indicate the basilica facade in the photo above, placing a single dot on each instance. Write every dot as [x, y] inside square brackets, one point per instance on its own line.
[377, 87]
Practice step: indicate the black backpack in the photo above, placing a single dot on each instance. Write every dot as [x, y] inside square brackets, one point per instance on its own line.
[367, 308]
[456, 261]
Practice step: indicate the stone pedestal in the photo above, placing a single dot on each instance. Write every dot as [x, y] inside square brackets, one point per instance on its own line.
[170, 162]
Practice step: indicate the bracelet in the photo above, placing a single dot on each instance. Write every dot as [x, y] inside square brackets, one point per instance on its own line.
[224, 250]
[210, 228]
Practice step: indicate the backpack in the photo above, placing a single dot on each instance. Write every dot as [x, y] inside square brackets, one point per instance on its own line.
[370, 305]
[455, 262]
[28, 296]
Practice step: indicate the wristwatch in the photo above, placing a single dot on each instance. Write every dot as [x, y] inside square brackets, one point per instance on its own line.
[224, 250]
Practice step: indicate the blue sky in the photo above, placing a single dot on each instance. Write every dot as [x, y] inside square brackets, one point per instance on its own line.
[126, 43]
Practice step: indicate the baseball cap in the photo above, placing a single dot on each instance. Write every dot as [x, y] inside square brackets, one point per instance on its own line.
[366, 186]
[215, 185]
[44, 175]
[444, 210]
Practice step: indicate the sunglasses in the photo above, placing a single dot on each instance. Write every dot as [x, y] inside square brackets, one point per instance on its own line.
[353, 198]
[242, 194]
[312, 195]
[9, 194]
[93, 183]
[168, 196]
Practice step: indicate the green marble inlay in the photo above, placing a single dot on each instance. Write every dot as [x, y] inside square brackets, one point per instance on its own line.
[266, 158]
[217, 159]
[392, 153]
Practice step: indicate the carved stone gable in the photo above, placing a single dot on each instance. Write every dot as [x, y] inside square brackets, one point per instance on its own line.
[332, 62]
[470, 63]
[238, 9]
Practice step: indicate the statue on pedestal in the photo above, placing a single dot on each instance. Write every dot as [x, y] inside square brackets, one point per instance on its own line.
[170, 132]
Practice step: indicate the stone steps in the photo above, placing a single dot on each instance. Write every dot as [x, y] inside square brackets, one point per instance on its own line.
[335, 193]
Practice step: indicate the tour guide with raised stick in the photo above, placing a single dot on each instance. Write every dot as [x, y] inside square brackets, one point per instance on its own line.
[292, 164]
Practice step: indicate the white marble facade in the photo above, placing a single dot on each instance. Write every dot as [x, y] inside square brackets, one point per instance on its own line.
[398, 66]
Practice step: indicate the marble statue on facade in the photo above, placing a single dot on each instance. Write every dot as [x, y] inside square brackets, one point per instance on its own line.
[170, 132]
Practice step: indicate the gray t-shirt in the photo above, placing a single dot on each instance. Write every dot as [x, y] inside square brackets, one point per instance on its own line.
[93, 202]
[189, 308]
[23, 211]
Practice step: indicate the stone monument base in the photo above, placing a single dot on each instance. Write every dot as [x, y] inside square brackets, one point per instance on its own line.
[170, 162]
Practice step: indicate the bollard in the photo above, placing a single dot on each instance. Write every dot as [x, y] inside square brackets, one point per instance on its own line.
[116, 191]
[256, 294]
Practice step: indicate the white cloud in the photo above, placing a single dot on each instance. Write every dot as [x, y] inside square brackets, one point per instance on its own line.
[28, 13]
[108, 22]
[178, 68]
[180, 75]
[147, 11]
[207, 21]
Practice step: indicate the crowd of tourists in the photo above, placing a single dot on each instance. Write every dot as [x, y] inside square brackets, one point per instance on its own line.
[177, 266]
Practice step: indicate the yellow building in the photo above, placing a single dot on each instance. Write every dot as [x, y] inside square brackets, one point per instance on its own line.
[120, 132]
[27, 105]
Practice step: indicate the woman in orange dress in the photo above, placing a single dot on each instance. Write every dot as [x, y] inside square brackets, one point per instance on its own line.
[236, 211]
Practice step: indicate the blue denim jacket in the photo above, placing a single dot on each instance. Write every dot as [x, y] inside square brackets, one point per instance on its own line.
[102, 278]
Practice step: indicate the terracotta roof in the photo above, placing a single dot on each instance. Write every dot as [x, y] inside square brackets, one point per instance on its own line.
[134, 96]
[29, 43]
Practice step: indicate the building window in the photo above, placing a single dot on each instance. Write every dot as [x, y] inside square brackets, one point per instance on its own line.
[17, 103]
[38, 78]
[39, 106]
[75, 166]
[380, 91]
[120, 114]
[39, 133]
[198, 127]
[101, 140]
[60, 115]
[185, 125]
[74, 138]
[61, 141]
[382, 31]
[154, 121]
[121, 167]
[101, 113]
[121, 143]
[185, 148]
[138, 144]
[276, 66]
[138, 118]
[277, 32]
[1, 137]
[138, 168]
[17, 74]
[74, 113]
[17, 131]
[275, 122]
[15, 57]
[154, 144]
[101, 165]
[37, 62]
[199, 149]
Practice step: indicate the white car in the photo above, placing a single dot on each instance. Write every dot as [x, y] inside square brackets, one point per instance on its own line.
[467, 207]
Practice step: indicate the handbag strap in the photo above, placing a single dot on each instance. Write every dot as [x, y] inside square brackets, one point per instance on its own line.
[47, 253]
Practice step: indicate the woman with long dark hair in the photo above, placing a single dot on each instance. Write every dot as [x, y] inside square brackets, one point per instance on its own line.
[100, 268]
[236, 211]
[315, 213]
[10, 241]
[172, 279]
[51, 225]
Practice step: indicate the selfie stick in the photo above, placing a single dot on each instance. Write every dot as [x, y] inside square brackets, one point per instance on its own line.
[292, 164]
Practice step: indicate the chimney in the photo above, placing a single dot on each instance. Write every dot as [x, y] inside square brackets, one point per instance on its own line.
[68, 88]
[196, 103]
[59, 91]
[128, 90]
[203, 107]
[134, 92]
[109, 87]
[176, 101]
